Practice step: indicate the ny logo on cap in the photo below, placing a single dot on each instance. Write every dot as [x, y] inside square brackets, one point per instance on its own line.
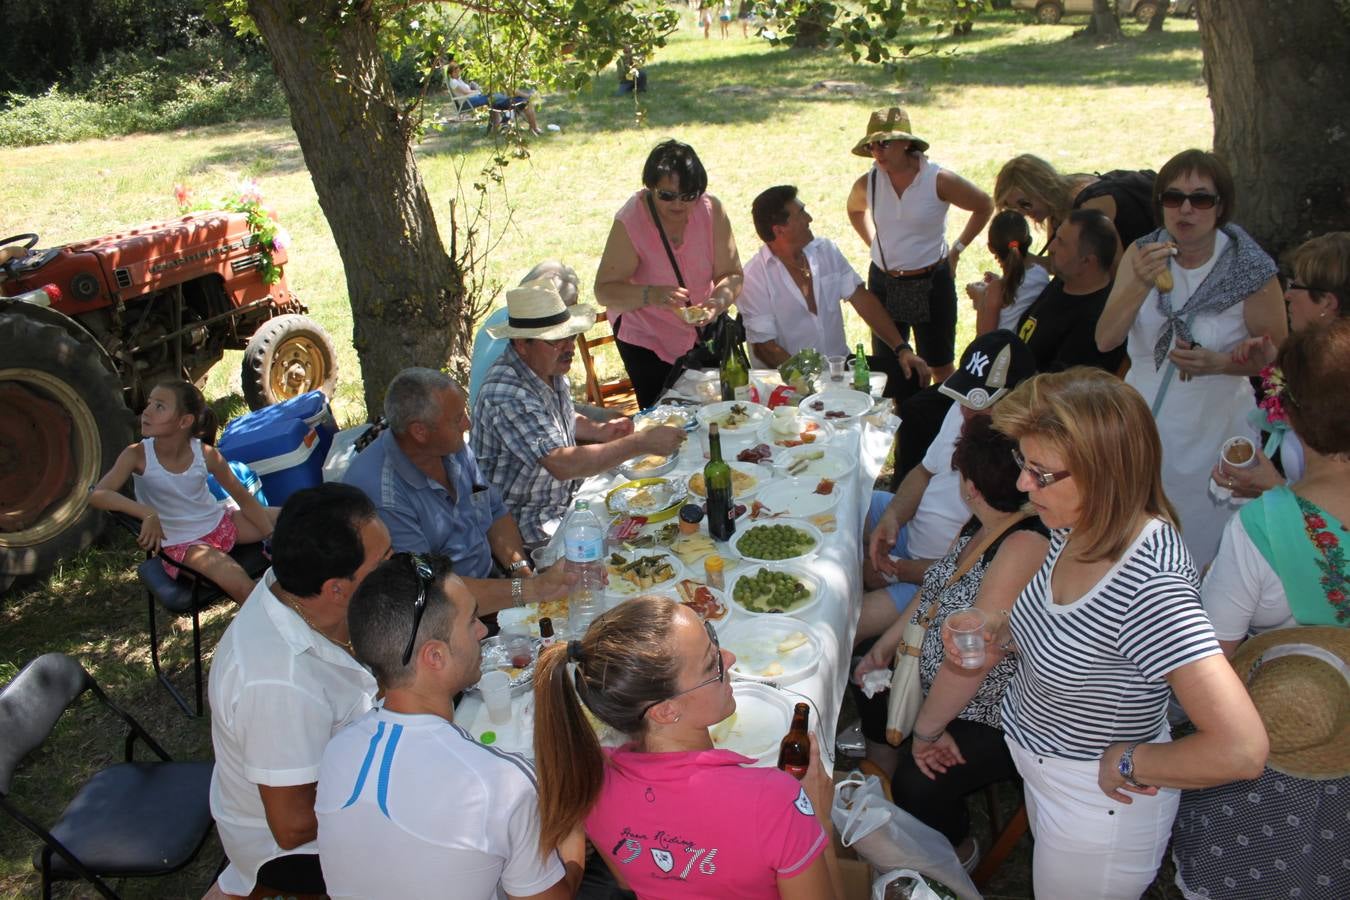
[978, 363]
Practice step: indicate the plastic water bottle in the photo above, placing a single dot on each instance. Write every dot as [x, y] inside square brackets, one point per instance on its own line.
[584, 545]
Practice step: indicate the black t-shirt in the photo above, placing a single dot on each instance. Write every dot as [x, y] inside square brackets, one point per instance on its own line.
[1059, 330]
[1133, 194]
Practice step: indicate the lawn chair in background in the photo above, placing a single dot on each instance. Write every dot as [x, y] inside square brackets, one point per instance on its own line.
[131, 819]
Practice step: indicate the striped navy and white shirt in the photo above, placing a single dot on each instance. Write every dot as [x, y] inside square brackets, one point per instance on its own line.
[1093, 672]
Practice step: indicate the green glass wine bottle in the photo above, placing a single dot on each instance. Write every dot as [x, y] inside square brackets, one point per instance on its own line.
[717, 482]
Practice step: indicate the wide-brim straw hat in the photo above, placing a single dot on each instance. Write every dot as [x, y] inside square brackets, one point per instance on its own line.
[888, 125]
[1299, 681]
[536, 310]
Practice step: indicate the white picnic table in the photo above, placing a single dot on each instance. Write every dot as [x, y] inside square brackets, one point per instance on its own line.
[837, 564]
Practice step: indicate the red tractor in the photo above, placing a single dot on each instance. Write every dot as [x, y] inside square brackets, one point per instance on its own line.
[86, 330]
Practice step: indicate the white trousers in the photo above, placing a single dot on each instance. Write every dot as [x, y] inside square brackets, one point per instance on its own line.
[1088, 845]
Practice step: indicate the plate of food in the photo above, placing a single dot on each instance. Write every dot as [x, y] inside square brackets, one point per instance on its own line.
[675, 416]
[641, 571]
[782, 649]
[837, 406]
[781, 590]
[745, 480]
[803, 497]
[692, 548]
[495, 657]
[654, 498]
[733, 416]
[526, 618]
[649, 465]
[778, 540]
[814, 462]
[763, 715]
[790, 427]
[710, 603]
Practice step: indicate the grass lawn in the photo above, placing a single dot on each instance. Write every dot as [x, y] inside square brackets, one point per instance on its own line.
[755, 120]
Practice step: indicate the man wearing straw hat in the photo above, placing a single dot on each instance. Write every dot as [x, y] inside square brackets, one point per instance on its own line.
[899, 209]
[527, 432]
[1286, 833]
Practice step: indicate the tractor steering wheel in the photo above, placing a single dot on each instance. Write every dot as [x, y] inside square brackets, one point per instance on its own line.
[29, 242]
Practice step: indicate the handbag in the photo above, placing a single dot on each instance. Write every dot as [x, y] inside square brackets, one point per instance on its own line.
[906, 690]
[906, 299]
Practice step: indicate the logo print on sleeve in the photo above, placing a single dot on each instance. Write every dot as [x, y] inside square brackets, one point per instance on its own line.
[803, 803]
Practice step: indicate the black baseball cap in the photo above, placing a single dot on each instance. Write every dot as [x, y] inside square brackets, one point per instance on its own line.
[992, 365]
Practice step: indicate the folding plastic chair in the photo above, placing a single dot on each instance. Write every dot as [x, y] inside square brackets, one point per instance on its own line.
[131, 819]
[188, 594]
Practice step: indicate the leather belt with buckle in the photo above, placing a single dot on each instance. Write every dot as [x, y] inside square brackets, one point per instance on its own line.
[911, 273]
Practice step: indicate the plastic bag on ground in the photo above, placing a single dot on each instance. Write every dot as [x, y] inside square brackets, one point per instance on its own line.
[890, 838]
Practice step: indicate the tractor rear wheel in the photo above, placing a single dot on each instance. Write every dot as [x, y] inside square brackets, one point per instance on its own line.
[62, 424]
[286, 357]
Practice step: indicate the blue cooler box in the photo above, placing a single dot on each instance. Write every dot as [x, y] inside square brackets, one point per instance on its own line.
[285, 444]
[247, 477]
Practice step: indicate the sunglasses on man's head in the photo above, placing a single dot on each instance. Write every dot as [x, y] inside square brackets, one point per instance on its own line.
[672, 196]
[424, 575]
[1173, 199]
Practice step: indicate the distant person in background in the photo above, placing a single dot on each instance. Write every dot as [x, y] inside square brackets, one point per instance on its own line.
[1000, 300]
[1031, 186]
[469, 93]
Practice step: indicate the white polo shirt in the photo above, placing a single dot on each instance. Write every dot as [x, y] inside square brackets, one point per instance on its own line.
[941, 512]
[773, 308]
[279, 691]
[412, 806]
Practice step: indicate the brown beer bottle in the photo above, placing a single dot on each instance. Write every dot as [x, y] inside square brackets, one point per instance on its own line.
[794, 753]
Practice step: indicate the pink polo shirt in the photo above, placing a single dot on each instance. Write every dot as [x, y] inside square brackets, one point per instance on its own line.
[660, 330]
[702, 824]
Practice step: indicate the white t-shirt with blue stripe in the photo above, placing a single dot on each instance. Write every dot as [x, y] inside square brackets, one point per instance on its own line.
[1093, 672]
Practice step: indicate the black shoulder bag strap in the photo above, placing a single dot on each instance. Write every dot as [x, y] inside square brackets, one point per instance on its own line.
[656, 220]
[872, 208]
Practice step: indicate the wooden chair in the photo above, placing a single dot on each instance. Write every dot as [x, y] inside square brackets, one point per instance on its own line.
[1005, 837]
[619, 392]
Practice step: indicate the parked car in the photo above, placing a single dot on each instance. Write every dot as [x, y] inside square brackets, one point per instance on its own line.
[1051, 11]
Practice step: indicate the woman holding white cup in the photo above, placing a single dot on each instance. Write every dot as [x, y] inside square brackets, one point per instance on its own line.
[1108, 628]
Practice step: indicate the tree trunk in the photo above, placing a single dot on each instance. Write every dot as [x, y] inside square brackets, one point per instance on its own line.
[406, 293]
[1277, 79]
[1155, 24]
[1104, 24]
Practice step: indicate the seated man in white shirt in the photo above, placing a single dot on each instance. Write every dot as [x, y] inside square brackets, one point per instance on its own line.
[282, 682]
[794, 286]
[409, 804]
[917, 524]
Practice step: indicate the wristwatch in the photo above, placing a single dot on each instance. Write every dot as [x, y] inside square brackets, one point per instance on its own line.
[959, 246]
[903, 345]
[1126, 766]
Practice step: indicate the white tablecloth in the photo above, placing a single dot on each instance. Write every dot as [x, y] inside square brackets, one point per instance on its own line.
[837, 565]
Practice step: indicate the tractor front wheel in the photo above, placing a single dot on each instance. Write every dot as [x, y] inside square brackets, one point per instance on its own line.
[286, 357]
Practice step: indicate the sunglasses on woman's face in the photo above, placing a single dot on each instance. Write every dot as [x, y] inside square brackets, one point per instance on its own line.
[881, 145]
[672, 196]
[1172, 199]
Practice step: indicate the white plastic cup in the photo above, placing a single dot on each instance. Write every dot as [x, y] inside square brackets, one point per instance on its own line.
[1241, 446]
[967, 628]
[496, 690]
[543, 557]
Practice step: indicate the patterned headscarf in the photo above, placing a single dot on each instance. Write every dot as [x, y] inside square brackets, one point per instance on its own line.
[1238, 273]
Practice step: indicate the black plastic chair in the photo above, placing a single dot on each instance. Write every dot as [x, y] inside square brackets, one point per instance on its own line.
[188, 594]
[130, 820]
